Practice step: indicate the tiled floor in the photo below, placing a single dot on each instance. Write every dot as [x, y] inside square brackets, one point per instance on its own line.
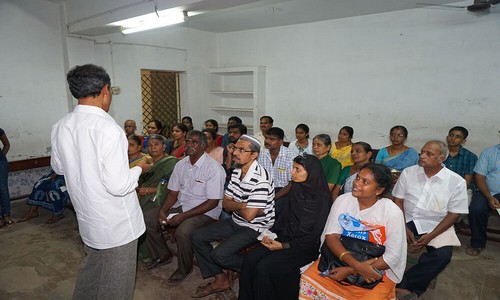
[40, 261]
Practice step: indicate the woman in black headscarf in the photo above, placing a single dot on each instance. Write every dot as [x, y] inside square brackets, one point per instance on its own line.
[272, 271]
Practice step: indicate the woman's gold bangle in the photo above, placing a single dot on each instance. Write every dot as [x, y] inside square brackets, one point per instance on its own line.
[342, 255]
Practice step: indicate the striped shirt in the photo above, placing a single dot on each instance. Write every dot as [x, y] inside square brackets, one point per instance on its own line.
[257, 190]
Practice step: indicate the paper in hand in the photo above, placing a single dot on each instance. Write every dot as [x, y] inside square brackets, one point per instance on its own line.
[267, 233]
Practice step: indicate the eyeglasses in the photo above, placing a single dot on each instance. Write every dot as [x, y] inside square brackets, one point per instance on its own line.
[241, 150]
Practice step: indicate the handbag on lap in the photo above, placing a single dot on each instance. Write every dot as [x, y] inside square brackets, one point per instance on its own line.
[360, 249]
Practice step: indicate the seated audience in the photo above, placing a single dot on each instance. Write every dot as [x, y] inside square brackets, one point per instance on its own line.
[214, 125]
[486, 198]
[278, 161]
[249, 196]
[341, 149]
[322, 144]
[225, 139]
[235, 131]
[178, 133]
[188, 122]
[368, 215]
[361, 154]
[266, 122]
[130, 127]
[194, 192]
[272, 271]
[162, 168]
[50, 193]
[213, 150]
[432, 199]
[302, 144]
[154, 127]
[397, 156]
[134, 151]
[460, 160]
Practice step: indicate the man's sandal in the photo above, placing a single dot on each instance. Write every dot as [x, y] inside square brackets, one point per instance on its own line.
[473, 251]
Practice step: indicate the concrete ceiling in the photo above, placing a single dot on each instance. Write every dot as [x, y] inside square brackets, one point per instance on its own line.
[236, 15]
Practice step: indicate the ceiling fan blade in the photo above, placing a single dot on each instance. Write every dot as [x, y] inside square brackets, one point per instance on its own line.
[477, 7]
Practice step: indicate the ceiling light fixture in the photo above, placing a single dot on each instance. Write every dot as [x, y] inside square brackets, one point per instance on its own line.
[153, 20]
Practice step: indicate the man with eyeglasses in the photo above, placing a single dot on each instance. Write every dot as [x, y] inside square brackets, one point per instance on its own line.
[249, 196]
[192, 201]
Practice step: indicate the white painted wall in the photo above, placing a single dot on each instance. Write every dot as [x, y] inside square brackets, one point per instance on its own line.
[33, 92]
[32, 97]
[428, 69]
[188, 51]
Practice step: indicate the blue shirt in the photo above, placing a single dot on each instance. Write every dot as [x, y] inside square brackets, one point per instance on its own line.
[463, 163]
[281, 170]
[488, 165]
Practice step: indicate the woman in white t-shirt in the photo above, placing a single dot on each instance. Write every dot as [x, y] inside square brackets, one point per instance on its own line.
[302, 144]
[384, 224]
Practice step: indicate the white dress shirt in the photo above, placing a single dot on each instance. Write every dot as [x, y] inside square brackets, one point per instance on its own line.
[197, 183]
[90, 150]
[427, 201]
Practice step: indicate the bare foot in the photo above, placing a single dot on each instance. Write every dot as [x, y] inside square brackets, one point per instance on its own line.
[32, 213]
[54, 218]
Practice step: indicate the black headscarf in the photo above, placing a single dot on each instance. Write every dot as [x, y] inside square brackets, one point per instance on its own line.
[306, 210]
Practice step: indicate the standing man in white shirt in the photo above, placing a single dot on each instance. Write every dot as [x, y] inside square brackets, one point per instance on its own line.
[432, 198]
[90, 150]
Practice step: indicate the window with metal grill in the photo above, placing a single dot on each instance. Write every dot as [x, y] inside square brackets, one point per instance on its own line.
[160, 98]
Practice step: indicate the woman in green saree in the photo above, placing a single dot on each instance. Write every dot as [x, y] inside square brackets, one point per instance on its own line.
[150, 181]
[153, 183]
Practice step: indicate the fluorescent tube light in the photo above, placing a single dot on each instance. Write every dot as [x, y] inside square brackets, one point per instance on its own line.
[151, 21]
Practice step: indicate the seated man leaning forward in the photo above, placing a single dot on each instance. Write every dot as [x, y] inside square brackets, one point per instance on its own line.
[432, 197]
[249, 196]
[197, 184]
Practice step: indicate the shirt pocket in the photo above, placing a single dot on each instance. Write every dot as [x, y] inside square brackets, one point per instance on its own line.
[436, 201]
[198, 188]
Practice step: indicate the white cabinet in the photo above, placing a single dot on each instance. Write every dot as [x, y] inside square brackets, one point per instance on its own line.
[238, 91]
